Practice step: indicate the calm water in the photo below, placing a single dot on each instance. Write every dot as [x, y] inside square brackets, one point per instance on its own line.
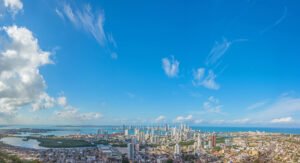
[31, 143]
[93, 130]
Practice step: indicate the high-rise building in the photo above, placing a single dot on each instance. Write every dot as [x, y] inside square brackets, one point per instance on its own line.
[177, 149]
[106, 136]
[126, 133]
[136, 131]
[130, 147]
[166, 128]
[213, 140]
[227, 142]
[209, 143]
[199, 141]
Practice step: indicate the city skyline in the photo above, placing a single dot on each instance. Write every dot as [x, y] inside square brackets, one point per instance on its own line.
[206, 63]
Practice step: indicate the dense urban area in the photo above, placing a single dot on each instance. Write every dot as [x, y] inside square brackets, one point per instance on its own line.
[161, 144]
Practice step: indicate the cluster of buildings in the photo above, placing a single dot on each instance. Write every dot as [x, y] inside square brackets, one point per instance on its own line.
[179, 144]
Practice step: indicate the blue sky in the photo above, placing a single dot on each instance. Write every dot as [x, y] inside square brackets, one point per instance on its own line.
[204, 63]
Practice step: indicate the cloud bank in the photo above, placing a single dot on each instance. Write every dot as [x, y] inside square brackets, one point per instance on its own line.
[21, 83]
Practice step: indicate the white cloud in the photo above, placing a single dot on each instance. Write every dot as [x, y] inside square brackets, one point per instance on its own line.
[44, 102]
[282, 120]
[199, 74]
[213, 99]
[241, 120]
[62, 101]
[13, 5]
[93, 24]
[170, 66]
[59, 13]
[218, 50]
[69, 13]
[160, 118]
[208, 81]
[21, 83]
[112, 40]
[211, 106]
[73, 115]
[183, 119]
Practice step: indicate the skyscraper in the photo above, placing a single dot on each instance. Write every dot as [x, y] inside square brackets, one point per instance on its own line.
[199, 142]
[130, 147]
[126, 132]
[213, 140]
[177, 149]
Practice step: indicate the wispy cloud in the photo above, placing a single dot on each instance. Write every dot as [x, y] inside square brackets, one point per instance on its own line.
[257, 105]
[283, 107]
[131, 95]
[218, 50]
[277, 22]
[60, 14]
[170, 66]
[84, 18]
[211, 106]
[229, 122]
[212, 62]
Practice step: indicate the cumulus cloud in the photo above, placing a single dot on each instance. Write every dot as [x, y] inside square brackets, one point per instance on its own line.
[62, 101]
[207, 81]
[14, 6]
[44, 102]
[160, 118]
[183, 119]
[170, 66]
[21, 83]
[282, 120]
